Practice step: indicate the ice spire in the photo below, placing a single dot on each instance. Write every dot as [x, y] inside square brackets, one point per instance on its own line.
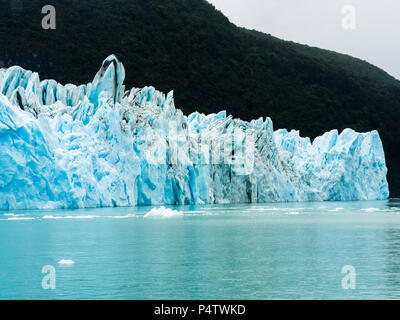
[109, 81]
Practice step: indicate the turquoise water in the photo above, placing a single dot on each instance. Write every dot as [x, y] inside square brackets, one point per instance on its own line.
[266, 251]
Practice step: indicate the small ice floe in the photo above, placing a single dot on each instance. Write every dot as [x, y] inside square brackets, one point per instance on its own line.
[200, 214]
[370, 209]
[163, 213]
[82, 217]
[70, 217]
[21, 218]
[51, 217]
[269, 209]
[336, 209]
[292, 212]
[130, 215]
[66, 262]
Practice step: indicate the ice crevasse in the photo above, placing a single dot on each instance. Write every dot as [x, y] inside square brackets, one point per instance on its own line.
[99, 145]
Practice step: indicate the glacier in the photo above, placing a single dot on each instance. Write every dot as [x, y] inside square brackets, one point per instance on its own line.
[100, 145]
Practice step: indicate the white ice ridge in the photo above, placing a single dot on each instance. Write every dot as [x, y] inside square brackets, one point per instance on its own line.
[97, 145]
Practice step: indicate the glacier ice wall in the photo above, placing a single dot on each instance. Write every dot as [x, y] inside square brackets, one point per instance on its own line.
[98, 145]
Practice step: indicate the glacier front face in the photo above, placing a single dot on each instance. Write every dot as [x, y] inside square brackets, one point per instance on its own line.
[98, 145]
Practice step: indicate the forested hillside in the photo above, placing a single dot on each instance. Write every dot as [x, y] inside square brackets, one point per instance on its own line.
[191, 48]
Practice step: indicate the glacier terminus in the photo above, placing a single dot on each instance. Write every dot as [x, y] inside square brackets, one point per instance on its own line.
[100, 145]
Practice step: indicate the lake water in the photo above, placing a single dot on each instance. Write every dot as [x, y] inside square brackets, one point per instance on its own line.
[263, 251]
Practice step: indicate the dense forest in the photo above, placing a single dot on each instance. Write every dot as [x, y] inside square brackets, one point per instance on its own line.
[211, 64]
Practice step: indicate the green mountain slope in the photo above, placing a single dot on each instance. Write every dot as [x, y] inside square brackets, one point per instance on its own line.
[191, 48]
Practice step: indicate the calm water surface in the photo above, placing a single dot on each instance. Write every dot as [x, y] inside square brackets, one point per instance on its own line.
[266, 251]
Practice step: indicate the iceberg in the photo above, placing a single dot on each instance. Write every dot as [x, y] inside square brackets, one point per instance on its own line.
[163, 213]
[99, 145]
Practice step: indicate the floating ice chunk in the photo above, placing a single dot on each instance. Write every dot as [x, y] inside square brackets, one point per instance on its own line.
[50, 217]
[336, 209]
[128, 216]
[163, 213]
[370, 209]
[66, 262]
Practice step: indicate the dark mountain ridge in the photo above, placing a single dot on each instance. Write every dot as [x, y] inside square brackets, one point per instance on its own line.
[211, 64]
